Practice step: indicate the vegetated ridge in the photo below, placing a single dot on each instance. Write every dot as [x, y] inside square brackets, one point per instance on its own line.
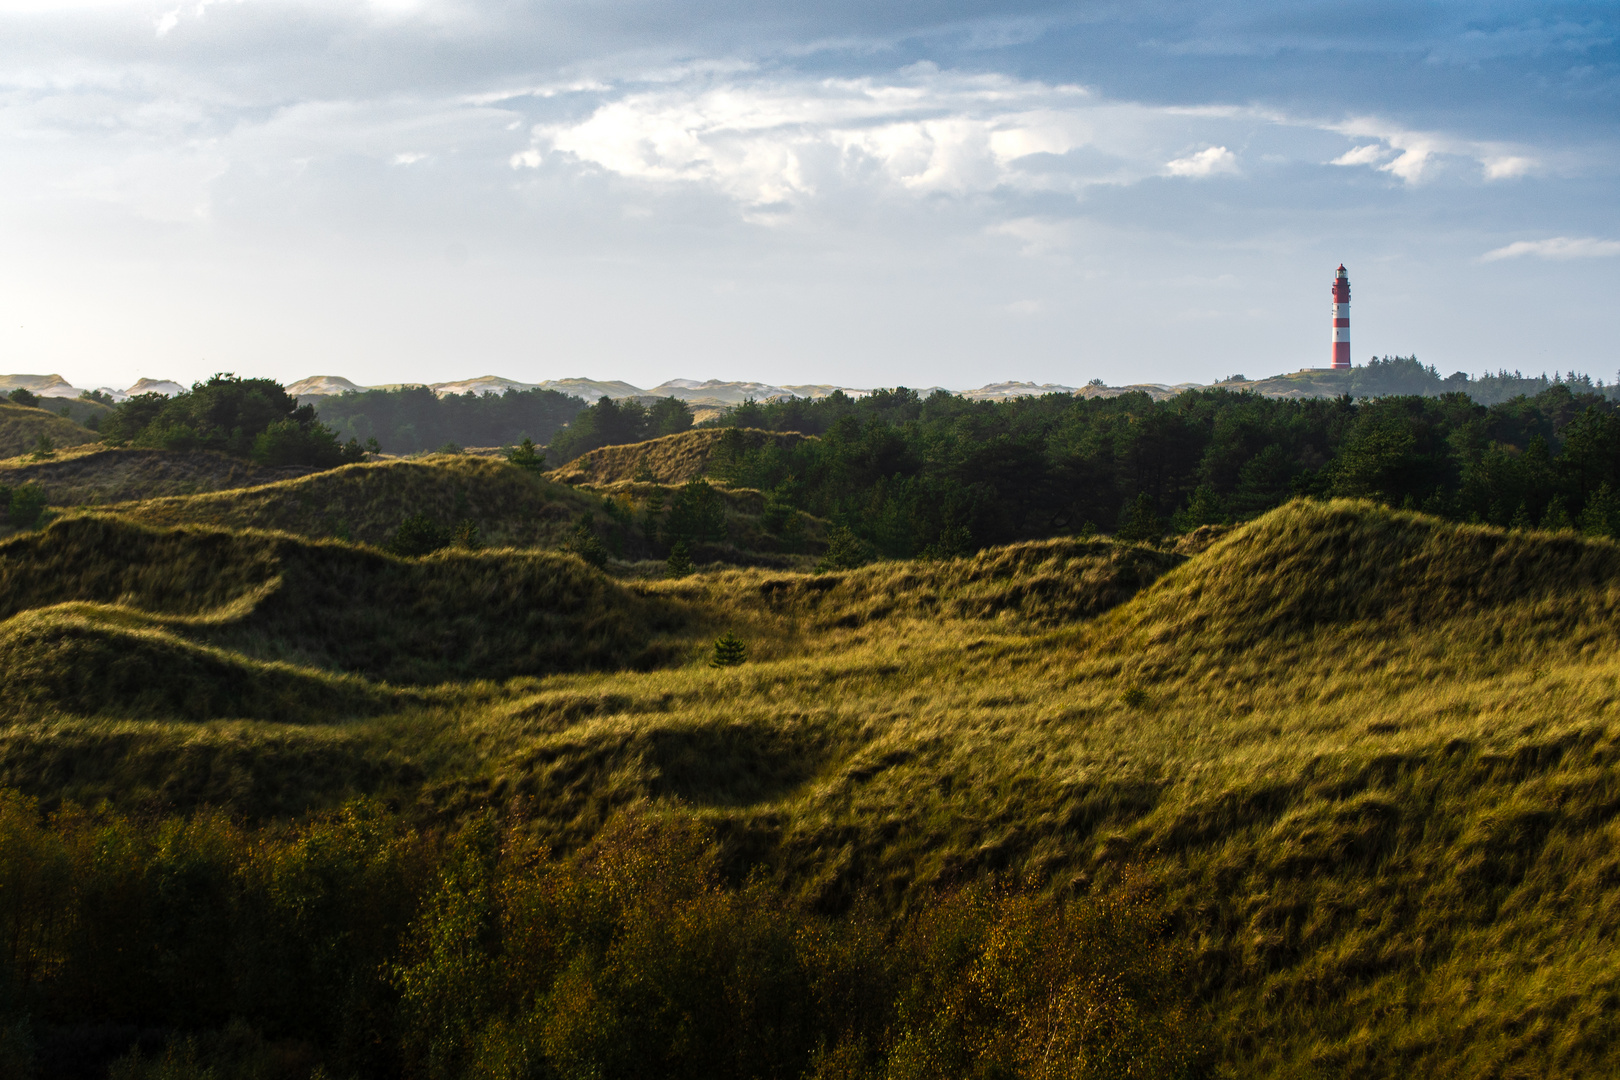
[504, 506]
[95, 475]
[672, 459]
[22, 428]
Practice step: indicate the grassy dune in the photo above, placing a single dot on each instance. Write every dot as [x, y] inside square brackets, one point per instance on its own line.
[21, 428]
[455, 614]
[366, 502]
[1367, 758]
[93, 475]
[672, 459]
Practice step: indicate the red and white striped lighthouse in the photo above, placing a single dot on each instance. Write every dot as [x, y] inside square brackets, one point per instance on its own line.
[1341, 318]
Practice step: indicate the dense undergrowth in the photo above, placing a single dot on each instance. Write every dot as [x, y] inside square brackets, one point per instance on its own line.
[352, 945]
[1356, 765]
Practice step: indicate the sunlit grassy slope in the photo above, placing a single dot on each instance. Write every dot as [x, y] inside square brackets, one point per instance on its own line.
[673, 459]
[367, 502]
[21, 428]
[91, 474]
[1367, 756]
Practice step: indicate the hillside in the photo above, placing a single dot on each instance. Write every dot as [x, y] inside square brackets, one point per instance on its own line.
[1362, 758]
[92, 475]
[21, 429]
[673, 459]
[367, 502]
[508, 507]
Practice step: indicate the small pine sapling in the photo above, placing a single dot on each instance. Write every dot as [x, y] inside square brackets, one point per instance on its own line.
[729, 651]
[525, 456]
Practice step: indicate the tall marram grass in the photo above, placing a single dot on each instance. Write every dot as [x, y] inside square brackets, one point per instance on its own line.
[352, 945]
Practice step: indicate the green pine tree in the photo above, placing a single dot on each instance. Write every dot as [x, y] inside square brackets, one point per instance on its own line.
[1139, 523]
[845, 551]
[1521, 519]
[1556, 519]
[679, 563]
[729, 651]
[1602, 512]
[525, 456]
[586, 544]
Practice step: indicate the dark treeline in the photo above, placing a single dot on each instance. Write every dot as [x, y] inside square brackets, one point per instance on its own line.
[615, 423]
[250, 418]
[352, 945]
[911, 475]
[414, 418]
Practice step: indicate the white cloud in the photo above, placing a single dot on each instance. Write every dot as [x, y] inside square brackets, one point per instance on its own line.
[1417, 154]
[1207, 162]
[527, 159]
[409, 157]
[1362, 155]
[1558, 247]
[782, 142]
[1508, 166]
[170, 19]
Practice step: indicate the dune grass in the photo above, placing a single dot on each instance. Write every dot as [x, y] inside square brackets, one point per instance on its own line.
[507, 507]
[367, 502]
[1366, 758]
[21, 428]
[89, 475]
[671, 459]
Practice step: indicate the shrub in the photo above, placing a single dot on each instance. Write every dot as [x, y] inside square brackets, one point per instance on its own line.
[466, 535]
[419, 535]
[26, 506]
[24, 397]
[287, 442]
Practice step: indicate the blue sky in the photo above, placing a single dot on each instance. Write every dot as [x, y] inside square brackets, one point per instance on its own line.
[906, 193]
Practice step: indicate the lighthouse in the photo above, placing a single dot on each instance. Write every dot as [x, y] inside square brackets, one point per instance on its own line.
[1341, 318]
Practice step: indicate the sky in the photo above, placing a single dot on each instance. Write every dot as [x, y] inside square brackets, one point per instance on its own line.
[916, 192]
